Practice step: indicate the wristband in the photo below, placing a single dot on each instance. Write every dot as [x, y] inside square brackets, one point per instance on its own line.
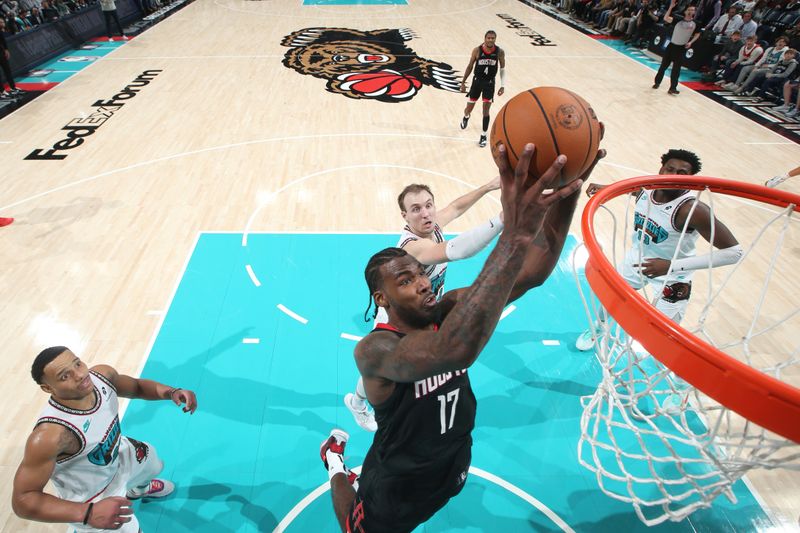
[172, 391]
[88, 514]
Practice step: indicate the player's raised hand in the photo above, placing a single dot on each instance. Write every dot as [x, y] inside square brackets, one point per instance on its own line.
[525, 198]
[110, 513]
[183, 396]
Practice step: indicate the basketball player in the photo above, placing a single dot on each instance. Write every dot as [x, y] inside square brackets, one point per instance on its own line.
[659, 219]
[415, 366]
[77, 443]
[485, 58]
[422, 237]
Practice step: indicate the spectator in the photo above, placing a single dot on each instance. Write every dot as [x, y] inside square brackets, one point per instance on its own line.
[764, 83]
[28, 5]
[5, 55]
[35, 17]
[745, 5]
[8, 7]
[109, 9]
[748, 75]
[726, 25]
[748, 55]
[749, 26]
[789, 109]
[645, 21]
[618, 23]
[62, 8]
[49, 13]
[794, 36]
[726, 56]
[22, 21]
[708, 11]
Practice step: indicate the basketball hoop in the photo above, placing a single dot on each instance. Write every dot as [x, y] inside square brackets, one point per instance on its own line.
[680, 415]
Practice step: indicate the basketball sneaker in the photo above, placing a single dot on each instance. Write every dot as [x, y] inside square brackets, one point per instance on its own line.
[482, 141]
[585, 341]
[5, 221]
[157, 488]
[332, 453]
[364, 417]
[776, 180]
[464, 122]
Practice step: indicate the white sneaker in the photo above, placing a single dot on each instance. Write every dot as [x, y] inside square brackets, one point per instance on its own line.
[585, 341]
[364, 417]
[776, 180]
[792, 113]
[157, 488]
[783, 108]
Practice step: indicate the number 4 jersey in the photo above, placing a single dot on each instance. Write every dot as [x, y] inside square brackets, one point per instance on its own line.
[421, 452]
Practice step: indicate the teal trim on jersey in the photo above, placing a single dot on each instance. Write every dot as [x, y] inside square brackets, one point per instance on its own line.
[354, 2]
[251, 451]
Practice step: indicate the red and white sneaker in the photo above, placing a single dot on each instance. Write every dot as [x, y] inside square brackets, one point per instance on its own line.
[335, 445]
[157, 488]
[5, 221]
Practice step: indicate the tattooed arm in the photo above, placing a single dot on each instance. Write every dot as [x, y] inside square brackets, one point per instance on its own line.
[474, 316]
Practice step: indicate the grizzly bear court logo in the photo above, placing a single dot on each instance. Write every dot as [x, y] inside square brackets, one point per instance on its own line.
[372, 64]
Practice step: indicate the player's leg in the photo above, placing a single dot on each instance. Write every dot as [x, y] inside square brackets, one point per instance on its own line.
[356, 403]
[142, 464]
[488, 98]
[472, 97]
[344, 483]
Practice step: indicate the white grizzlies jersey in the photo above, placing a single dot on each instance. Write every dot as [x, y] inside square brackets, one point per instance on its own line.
[435, 272]
[655, 233]
[88, 472]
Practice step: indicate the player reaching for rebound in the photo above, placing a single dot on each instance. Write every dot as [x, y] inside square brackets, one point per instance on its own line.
[660, 216]
[485, 58]
[77, 443]
[415, 366]
[422, 237]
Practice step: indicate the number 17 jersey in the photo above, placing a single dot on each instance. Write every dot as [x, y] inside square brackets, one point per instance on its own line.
[421, 452]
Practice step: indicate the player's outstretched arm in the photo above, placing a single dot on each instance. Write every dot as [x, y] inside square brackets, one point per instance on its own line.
[542, 257]
[475, 310]
[460, 205]
[459, 247]
[729, 251]
[29, 501]
[146, 389]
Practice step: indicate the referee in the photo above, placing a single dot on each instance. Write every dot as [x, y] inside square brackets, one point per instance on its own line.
[683, 37]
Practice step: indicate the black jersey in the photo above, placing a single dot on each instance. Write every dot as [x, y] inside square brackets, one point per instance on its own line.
[487, 64]
[421, 452]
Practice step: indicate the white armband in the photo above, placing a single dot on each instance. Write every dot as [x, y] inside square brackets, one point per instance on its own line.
[725, 256]
[473, 241]
[502, 77]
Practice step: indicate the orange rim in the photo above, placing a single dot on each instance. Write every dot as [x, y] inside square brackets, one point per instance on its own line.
[758, 397]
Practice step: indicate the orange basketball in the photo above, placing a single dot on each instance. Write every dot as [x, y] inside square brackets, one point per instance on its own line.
[557, 121]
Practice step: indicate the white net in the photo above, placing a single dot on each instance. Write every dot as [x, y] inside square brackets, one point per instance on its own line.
[651, 438]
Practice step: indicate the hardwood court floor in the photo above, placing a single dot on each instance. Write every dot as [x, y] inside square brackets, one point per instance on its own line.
[223, 128]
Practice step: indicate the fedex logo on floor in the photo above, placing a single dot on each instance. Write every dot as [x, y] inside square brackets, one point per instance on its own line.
[79, 128]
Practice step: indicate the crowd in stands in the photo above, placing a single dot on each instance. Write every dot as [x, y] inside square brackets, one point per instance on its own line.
[23, 15]
[755, 42]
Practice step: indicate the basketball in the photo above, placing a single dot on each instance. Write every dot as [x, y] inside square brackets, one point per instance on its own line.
[557, 121]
